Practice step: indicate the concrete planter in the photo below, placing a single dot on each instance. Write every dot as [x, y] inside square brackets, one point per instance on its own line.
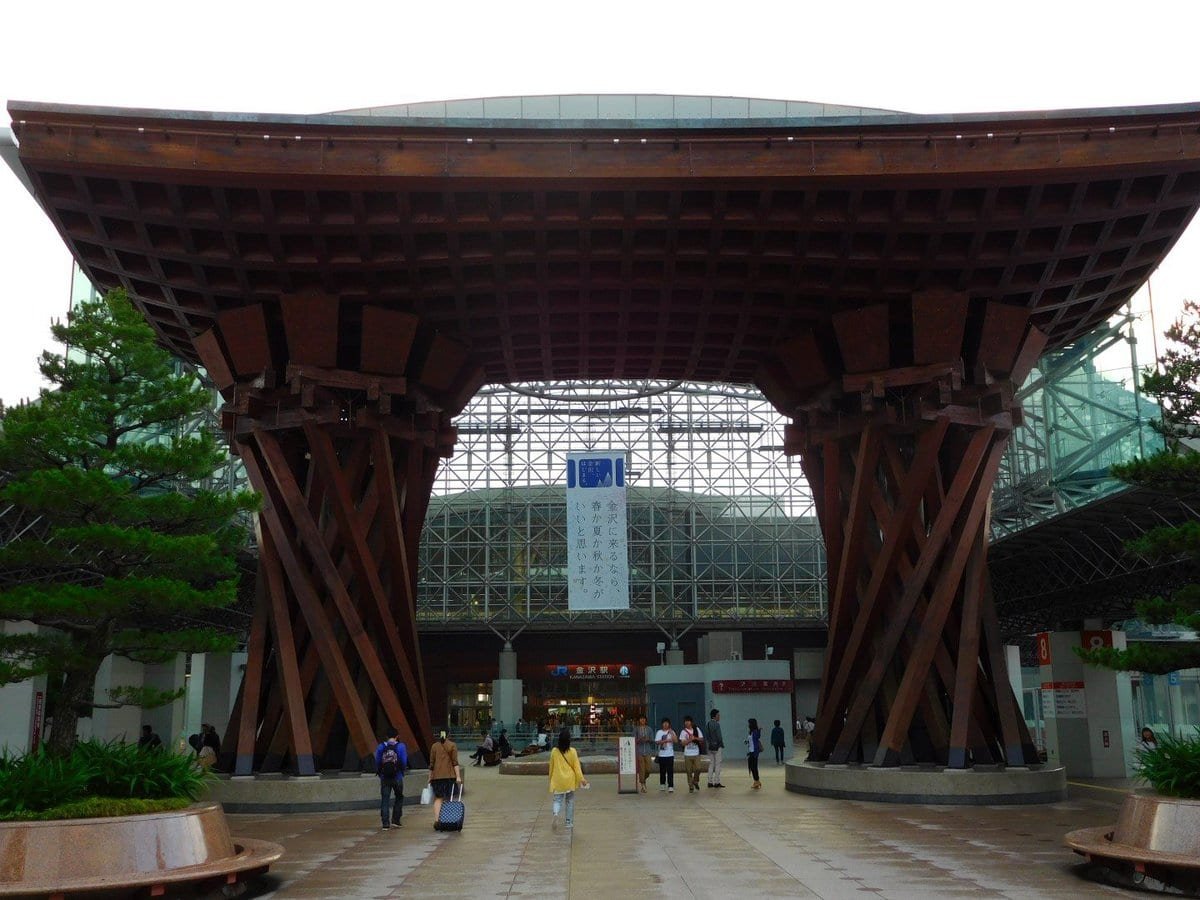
[978, 786]
[1155, 844]
[76, 856]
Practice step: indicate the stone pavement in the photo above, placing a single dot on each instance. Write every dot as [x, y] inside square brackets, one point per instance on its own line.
[717, 844]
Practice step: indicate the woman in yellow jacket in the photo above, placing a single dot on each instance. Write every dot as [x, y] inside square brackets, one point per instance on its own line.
[566, 776]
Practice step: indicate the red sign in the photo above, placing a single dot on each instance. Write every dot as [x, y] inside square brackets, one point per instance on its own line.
[1043, 648]
[1062, 685]
[39, 708]
[753, 686]
[591, 671]
[1094, 640]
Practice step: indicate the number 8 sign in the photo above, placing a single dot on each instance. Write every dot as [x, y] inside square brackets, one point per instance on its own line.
[1043, 648]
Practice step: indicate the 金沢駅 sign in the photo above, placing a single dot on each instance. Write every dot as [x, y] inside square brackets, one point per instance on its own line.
[591, 671]
[753, 686]
[597, 534]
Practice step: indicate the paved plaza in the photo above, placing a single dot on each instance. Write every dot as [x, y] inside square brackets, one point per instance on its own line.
[733, 843]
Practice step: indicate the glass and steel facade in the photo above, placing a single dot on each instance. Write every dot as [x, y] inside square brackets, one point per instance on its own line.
[721, 524]
[1083, 412]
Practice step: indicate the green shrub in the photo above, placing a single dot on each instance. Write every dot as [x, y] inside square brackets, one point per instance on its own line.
[1173, 767]
[40, 781]
[126, 770]
[95, 773]
[99, 807]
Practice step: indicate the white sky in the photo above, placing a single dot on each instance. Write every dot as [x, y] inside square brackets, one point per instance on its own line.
[303, 57]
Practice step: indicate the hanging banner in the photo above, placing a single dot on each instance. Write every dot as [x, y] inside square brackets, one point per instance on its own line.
[597, 532]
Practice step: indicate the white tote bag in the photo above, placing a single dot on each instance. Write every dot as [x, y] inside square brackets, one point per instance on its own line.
[427, 795]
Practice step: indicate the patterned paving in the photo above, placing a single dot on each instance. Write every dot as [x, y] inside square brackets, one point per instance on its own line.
[716, 844]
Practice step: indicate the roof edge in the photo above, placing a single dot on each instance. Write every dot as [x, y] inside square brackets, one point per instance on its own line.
[904, 121]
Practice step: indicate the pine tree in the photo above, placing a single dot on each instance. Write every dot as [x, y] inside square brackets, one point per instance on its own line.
[123, 546]
[1175, 470]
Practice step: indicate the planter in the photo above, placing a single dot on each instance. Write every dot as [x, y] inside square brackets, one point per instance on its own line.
[77, 856]
[1155, 844]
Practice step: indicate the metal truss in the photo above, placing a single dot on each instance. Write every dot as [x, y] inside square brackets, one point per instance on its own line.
[722, 528]
[1077, 566]
[1078, 421]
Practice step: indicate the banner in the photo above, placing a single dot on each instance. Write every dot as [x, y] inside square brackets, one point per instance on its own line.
[597, 532]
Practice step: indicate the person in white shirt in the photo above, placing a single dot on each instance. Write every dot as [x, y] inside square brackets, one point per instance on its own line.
[692, 738]
[665, 738]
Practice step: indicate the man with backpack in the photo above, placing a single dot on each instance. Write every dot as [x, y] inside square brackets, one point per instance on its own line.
[391, 761]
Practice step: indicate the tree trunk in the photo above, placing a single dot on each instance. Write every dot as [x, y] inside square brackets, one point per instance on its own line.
[79, 685]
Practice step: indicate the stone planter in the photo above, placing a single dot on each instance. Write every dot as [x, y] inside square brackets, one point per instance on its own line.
[75, 856]
[1155, 844]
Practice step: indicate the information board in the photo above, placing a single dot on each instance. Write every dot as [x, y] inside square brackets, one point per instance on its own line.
[597, 532]
[1063, 700]
[627, 765]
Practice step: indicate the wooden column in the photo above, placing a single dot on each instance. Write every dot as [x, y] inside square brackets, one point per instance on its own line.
[901, 436]
[344, 461]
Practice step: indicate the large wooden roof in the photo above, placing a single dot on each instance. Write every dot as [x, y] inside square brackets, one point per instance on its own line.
[620, 248]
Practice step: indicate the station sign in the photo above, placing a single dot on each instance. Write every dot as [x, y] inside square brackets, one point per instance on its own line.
[752, 686]
[591, 671]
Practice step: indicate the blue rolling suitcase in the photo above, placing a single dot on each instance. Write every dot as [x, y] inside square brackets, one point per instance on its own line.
[452, 813]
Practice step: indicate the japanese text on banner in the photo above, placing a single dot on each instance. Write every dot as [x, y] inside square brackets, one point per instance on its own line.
[597, 532]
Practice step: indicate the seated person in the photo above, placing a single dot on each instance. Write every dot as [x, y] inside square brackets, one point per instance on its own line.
[486, 747]
[504, 746]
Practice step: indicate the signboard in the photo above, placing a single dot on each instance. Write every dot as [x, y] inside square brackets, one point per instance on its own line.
[1063, 700]
[597, 532]
[1094, 640]
[591, 671]
[627, 765]
[1043, 648]
[753, 686]
[39, 712]
[1173, 679]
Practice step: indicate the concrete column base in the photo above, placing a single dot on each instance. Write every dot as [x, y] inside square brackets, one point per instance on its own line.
[982, 786]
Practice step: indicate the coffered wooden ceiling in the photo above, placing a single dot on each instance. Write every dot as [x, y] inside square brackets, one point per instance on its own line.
[554, 250]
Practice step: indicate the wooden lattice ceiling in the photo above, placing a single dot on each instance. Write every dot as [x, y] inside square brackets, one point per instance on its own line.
[554, 253]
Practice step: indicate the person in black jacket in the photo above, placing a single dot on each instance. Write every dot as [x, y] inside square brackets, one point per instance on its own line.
[778, 742]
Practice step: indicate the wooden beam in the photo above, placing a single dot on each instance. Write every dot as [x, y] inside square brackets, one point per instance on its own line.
[251, 689]
[365, 568]
[917, 664]
[319, 625]
[900, 612]
[897, 532]
[293, 693]
[310, 322]
[309, 535]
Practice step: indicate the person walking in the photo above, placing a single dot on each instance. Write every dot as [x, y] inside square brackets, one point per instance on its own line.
[391, 762]
[753, 744]
[714, 741]
[444, 771]
[646, 751]
[566, 777]
[778, 742]
[692, 739]
[665, 739]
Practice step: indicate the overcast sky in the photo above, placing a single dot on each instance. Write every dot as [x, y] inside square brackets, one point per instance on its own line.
[308, 57]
